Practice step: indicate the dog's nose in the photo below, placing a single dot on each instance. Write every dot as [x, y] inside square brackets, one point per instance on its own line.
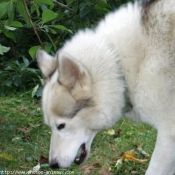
[54, 164]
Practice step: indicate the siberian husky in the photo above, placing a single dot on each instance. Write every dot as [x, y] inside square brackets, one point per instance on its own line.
[130, 53]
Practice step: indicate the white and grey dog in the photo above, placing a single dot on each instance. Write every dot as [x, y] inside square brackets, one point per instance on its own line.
[131, 52]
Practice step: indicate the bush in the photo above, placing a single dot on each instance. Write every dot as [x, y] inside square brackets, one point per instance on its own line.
[28, 25]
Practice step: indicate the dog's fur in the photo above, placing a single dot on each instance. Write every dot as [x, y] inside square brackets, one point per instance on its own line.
[130, 53]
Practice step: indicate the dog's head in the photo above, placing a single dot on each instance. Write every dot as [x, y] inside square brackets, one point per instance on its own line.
[66, 100]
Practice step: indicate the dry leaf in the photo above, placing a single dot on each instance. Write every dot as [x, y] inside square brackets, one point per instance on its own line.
[16, 138]
[23, 130]
[134, 171]
[112, 147]
[131, 157]
[88, 168]
[139, 148]
[43, 160]
[117, 134]
[34, 170]
[106, 173]
[22, 108]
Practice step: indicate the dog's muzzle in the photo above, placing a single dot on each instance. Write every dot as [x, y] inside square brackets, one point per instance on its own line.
[81, 154]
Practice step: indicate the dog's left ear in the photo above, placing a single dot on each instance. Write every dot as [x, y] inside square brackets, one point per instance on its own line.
[73, 75]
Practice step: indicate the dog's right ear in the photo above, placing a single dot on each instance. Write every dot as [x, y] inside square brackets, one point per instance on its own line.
[46, 63]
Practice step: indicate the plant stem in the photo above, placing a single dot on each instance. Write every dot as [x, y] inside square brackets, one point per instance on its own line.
[31, 22]
[63, 5]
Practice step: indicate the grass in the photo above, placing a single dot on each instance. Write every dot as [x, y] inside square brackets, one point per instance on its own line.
[24, 139]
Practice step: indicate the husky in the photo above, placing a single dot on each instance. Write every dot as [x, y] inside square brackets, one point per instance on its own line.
[131, 53]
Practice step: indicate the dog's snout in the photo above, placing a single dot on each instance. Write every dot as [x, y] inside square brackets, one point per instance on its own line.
[54, 164]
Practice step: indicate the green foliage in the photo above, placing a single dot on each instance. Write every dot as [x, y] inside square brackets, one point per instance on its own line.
[28, 25]
[16, 74]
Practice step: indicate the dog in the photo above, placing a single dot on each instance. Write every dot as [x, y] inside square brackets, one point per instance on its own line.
[131, 53]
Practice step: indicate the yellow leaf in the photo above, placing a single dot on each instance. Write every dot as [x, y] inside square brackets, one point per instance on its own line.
[6, 157]
[111, 132]
[131, 157]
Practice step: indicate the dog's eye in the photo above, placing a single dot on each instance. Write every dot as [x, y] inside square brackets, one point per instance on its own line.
[61, 126]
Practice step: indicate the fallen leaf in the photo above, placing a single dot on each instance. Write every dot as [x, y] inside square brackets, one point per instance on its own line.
[131, 157]
[134, 171]
[117, 134]
[6, 157]
[111, 132]
[144, 153]
[22, 108]
[34, 126]
[95, 166]
[23, 130]
[16, 138]
[43, 160]
[112, 147]
[34, 170]
[119, 164]
[88, 168]
[106, 173]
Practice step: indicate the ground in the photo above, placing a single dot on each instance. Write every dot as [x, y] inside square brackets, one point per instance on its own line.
[24, 142]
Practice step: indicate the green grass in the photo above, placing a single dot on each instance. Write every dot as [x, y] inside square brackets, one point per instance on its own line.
[24, 137]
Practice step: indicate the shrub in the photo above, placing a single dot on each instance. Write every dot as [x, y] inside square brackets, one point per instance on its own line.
[28, 25]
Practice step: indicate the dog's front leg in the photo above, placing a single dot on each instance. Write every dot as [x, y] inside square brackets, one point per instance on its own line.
[163, 158]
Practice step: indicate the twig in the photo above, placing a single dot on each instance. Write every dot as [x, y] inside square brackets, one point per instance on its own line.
[31, 22]
[63, 5]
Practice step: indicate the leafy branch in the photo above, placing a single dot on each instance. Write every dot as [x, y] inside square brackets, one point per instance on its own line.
[31, 22]
[63, 5]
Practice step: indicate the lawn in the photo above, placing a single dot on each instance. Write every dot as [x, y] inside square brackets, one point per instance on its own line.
[24, 142]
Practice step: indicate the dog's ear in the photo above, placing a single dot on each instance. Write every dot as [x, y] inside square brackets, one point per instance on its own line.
[74, 76]
[46, 63]
[70, 70]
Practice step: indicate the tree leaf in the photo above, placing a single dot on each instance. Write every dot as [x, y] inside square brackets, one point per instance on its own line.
[35, 90]
[68, 2]
[83, 12]
[48, 15]
[16, 24]
[10, 9]
[10, 28]
[48, 2]
[22, 11]
[53, 44]
[3, 8]
[10, 35]
[26, 61]
[8, 83]
[103, 4]
[33, 50]
[61, 27]
[3, 49]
